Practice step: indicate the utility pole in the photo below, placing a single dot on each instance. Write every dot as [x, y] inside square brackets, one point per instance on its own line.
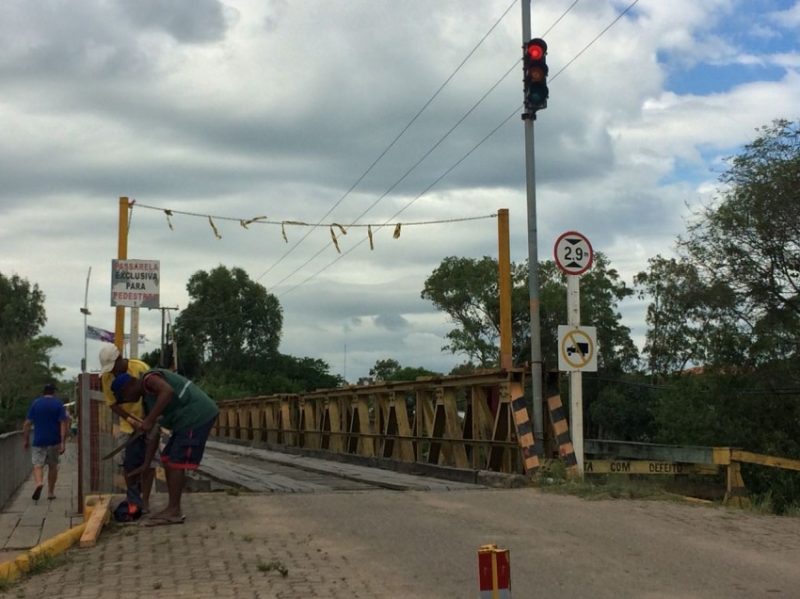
[86, 313]
[122, 254]
[164, 310]
[533, 259]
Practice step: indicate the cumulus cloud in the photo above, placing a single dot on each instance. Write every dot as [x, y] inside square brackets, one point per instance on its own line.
[282, 108]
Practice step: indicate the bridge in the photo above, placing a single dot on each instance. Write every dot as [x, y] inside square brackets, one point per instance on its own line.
[276, 512]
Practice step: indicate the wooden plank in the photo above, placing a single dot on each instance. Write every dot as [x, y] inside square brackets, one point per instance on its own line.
[100, 515]
[644, 467]
[765, 460]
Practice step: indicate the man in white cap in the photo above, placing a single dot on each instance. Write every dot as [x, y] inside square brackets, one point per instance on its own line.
[111, 364]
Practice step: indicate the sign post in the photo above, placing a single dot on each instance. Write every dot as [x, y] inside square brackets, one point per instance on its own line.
[135, 284]
[577, 350]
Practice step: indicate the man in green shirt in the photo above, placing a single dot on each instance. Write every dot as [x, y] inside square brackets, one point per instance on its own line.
[175, 403]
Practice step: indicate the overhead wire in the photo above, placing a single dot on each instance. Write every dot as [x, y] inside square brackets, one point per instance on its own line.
[430, 150]
[460, 160]
[392, 143]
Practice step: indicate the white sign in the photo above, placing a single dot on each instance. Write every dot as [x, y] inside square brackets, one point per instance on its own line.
[573, 253]
[134, 283]
[577, 348]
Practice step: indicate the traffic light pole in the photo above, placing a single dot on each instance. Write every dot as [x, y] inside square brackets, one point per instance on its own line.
[533, 262]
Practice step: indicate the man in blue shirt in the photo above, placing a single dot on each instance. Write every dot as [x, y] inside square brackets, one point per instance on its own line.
[49, 419]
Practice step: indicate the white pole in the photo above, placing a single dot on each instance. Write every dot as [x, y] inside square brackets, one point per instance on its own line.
[134, 342]
[575, 376]
[85, 312]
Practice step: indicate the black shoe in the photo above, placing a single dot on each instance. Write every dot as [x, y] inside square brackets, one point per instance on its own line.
[37, 492]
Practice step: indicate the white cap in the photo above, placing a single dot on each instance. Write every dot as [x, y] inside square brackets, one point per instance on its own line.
[108, 355]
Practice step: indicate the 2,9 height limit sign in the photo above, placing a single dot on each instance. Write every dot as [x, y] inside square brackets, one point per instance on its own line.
[573, 253]
[577, 349]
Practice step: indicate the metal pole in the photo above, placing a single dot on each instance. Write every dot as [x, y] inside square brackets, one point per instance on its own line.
[533, 263]
[134, 343]
[84, 440]
[504, 286]
[85, 312]
[575, 376]
[122, 254]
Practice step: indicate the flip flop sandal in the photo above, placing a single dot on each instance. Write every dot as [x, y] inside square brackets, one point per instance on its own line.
[37, 492]
[163, 521]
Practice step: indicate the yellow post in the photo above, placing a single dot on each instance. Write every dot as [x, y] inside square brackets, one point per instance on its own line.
[504, 286]
[122, 254]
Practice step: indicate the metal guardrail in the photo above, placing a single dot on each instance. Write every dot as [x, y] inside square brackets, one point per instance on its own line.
[459, 421]
[674, 459]
[15, 464]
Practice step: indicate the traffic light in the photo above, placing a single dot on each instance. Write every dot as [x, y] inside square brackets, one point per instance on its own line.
[535, 67]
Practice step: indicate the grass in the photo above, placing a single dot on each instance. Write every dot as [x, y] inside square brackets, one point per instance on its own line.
[554, 479]
[766, 504]
[597, 489]
[45, 562]
[274, 565]
[37, 565]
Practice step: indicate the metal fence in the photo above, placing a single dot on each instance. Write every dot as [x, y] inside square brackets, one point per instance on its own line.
[95, 439]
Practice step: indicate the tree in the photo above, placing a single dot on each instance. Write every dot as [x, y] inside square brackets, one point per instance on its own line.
[680, 315]
[749, 241]
[231, 322]
[391, 370]
[22, 313]
[467, 290]
[24, 355]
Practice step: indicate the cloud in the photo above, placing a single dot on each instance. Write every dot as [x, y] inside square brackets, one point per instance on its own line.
[187, 21]
[282, 108]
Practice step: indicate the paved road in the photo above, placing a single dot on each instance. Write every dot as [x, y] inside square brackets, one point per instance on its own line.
[386, 544]
[25, 523]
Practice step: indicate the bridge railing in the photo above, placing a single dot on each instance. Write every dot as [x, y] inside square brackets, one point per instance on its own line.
[458, 421]
[15, 464]
[627, 457]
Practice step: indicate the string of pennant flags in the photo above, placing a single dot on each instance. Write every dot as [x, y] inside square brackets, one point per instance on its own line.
[332, 227]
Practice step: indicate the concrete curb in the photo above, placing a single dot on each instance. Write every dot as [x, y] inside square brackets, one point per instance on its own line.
[13, 570]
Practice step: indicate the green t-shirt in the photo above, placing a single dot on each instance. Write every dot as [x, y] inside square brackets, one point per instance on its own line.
[189, 406]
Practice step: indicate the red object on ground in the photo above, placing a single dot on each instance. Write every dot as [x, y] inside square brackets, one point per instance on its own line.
[494, 572]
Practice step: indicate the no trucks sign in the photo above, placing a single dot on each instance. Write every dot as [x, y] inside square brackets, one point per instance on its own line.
[134, 283]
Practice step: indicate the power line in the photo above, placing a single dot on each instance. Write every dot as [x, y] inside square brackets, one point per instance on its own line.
[393, 142]
[423, 192]
[460, 160]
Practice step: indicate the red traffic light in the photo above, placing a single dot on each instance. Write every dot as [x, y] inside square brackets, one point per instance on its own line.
[535, 71]
[535, 52]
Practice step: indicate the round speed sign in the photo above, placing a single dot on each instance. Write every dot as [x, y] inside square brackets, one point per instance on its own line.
[573, 253]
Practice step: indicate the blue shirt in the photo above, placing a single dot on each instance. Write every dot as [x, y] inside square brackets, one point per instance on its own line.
[47, 413]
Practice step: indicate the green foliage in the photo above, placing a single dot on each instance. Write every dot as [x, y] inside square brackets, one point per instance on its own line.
[230, 321]
[25, 364]
[279, 374]
[390, 370]
[748, 244]
[467, 290]
[621, 411]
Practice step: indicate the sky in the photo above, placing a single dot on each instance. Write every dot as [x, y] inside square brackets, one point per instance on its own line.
[289, 110]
